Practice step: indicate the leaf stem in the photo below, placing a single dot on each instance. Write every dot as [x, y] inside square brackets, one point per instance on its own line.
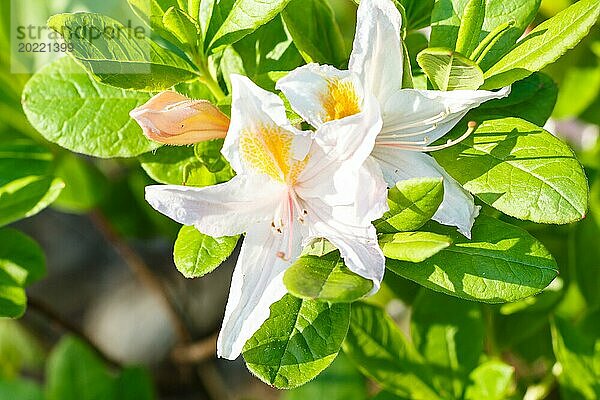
[490, 329]
[207, 78]
[490, 41]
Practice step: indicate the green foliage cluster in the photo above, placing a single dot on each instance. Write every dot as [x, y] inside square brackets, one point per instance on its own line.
[485, 310]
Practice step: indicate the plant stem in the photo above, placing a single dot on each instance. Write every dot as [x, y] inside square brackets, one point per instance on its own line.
[144, 274]
[207, 78]
[51, 315]
[491, 343]
[195, 353]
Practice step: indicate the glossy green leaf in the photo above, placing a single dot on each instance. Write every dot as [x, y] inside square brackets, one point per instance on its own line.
[412, 203]
[448, 70]
[128, 59]
[413, 246]
[532, 99]
[243, 17]
[320, 273]
[181, 166]
[378, 348]
[521, 170]
[470, 27]
[501, 263]
[341, 381]
[315, 31]
[449, 333]
[22, 157]
[579, 358]
[183, 28]
[492, 380]
[22, 262]
[544, 44]
[87, 117]
[85, 185]
[447, 15]
[197, 254]
[152, 13]
[299, 340]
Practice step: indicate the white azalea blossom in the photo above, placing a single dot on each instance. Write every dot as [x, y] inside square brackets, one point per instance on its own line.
[412, 119]
[288, 190]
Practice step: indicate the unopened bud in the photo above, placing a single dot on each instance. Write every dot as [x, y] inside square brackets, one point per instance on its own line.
[171, 118]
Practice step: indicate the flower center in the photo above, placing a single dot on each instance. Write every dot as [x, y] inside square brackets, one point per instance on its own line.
[268, 150]
[340, 100]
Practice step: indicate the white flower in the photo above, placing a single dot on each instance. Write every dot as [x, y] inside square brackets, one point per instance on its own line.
[288, 190]
[412, 119]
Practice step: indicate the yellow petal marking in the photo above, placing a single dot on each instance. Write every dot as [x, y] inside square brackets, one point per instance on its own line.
[268, 149]
[340, 100]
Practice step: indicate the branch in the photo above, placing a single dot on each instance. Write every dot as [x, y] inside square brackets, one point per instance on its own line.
[44, 310]
[144, 274]
[195, 353]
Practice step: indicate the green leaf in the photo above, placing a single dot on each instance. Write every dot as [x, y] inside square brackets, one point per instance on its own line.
[127, 60]
[492, 380]
[531, 99]
[521, 170]
[25, 197]
[22, 157]
[244, 17]
[586, 253]
[579, 358]
[86, 117]
[22, 389]
[378, 348]
[341, 381]
[197, 254]
[134, 384]
[578, 90]
[470, 27]
[74, 372]
[315, 31]
[449, 333]
[448, 70]
[544, 45]
[270, 48]
[85, 185]
[501, 263]
[19, 350]
[413, 246]
[181, 165]
[183, 28]
[299, 340]
[446, 20]
[152, 13]
[320, 273]
[412, 203]
[418, 13]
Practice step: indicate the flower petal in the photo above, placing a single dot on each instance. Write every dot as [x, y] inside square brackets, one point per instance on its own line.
[377, 55]
[458, 207]
[256, 284]
[340, 204]
[226, 209]
[314, 91]
[255, 111]
[423, 116]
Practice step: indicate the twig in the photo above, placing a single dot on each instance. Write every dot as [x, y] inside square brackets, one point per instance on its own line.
[145, 275]
[213, 382]
[195, 353]
[51, 315]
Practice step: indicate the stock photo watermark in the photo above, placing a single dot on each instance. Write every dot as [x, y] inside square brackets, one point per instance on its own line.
[34, 44]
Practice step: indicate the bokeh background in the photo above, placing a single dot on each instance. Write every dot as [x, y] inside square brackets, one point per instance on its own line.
[111, 276]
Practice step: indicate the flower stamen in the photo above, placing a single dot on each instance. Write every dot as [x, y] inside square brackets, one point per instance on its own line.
[412, 146]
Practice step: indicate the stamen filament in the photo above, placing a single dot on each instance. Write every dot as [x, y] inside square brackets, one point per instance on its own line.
[411, 146]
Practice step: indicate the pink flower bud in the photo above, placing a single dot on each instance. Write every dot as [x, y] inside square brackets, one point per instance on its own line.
[171, 118]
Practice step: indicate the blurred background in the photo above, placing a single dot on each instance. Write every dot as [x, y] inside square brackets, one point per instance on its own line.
[111, 279]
